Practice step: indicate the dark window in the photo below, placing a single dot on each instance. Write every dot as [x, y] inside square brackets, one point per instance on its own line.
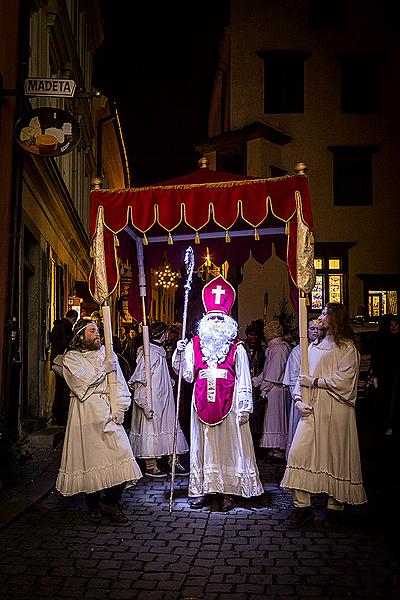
[322, 14]
[361, 83]
[283, 81]
[352, 175]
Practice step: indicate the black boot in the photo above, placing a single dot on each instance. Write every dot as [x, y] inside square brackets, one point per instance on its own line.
[301, 517]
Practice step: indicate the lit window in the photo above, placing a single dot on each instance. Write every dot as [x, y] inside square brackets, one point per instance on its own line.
[334, 263]
[382, 302]
[335, 288]
[317, 294]
[318, 263]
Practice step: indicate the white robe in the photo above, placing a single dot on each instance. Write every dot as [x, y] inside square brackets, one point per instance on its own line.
[324, 456]
[96, 453]
[152, 438]
[292, 372]
[222, 456]
[275, 425]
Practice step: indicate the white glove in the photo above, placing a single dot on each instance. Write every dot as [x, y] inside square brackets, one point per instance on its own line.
[181, 345]
[148, 412]
[304, 409]
[244, 418]
[110, 365]
[306, 381]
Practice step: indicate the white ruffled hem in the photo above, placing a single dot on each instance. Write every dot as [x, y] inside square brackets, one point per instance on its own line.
[224, 481]
[94, 480]
[343, 490]
[273, 440]
[149, 445]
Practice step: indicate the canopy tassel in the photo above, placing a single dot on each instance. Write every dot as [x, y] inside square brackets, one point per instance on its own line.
[312, 241]
[170, 240]
[91, 253]
[287, 228]
[116, 241]
[227, 237]
[145, 240]
[197, 238]
[256, 234]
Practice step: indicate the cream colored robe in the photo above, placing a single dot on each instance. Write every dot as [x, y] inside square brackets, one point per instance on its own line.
[222, 456]
[96, 452]
[324, 456]
[152, 438]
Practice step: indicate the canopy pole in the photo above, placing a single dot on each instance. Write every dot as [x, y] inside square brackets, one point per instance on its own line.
[303, 326]
[145, 327]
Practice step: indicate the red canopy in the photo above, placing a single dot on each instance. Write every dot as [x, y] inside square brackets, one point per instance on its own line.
[199, 202]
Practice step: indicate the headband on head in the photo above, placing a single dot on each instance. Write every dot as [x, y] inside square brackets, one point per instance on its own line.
[82, 328]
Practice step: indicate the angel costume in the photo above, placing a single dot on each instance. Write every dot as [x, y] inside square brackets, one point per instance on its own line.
[152, 438]
[222, 456]
[96, 453]
[324, 456]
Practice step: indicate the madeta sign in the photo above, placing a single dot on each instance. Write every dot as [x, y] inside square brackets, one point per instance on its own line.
[57, 88]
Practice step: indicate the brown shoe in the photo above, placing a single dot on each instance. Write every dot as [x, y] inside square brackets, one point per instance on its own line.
[197, 502]
[114, 512]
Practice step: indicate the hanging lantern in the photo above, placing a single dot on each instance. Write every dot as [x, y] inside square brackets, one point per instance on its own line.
[208, 270]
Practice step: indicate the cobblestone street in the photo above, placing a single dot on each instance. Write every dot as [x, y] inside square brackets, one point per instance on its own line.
[51, 551]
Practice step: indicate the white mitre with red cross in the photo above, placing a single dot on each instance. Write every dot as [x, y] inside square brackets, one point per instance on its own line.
[218, 296]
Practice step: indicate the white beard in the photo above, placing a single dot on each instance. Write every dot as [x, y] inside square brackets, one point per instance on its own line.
[216, 338]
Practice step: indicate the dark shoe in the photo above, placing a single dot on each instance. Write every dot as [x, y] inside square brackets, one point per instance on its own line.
[114, 512]
[197, 502]
[332, 519]
[301, 517]
[180, 469]
[94, 516]
[155, 473]
[227, 503]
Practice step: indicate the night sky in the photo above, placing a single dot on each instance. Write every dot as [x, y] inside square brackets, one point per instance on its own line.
[158, 62]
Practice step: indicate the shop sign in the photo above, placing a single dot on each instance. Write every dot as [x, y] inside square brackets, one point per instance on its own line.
[48, 132]
[57, 88]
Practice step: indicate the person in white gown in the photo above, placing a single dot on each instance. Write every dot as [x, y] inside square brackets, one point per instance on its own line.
[152, 428]
[270, 382]
[324, 456]
[97, 458]
[290, 377]
[222, 458]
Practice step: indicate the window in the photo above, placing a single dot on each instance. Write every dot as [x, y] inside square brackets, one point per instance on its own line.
[382, 302]
[331, 266]
[283, 81]
[392, 15]
[352, 175]
[322, 14]
[381, 294]
[361, 83]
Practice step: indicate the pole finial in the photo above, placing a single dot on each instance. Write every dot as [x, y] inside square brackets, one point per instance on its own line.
[96, 183]
[204, 163]
[300, 168]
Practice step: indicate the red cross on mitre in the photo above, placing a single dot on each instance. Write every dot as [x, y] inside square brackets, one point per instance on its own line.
[218, 296]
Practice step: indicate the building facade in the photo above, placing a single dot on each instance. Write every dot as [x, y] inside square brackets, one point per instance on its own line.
[46, 200]
[316, 82]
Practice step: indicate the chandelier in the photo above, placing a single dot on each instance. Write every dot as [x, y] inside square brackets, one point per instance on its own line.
[166, 277]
